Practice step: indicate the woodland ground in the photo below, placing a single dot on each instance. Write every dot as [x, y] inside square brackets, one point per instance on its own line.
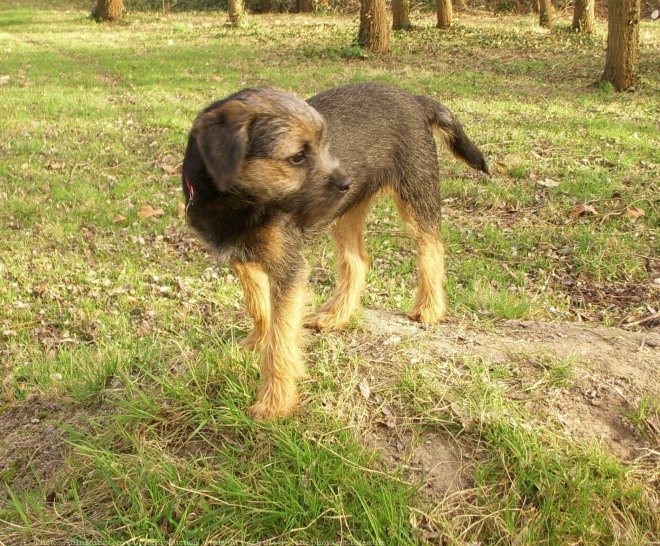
[531, 417]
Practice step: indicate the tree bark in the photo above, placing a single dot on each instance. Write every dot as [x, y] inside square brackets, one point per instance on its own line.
[545, 13]
[374, 33]
[305, 6]
[583, 16]
[400, 14]
[622, 43]
[235, 12]
[108, 10]
[445, 13]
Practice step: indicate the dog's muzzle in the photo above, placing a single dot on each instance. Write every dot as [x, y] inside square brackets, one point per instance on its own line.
[343, 183]
[340, 181]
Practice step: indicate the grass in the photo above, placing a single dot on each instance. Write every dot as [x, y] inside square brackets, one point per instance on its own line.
[206, 470]
[544, 491]
[130, 320]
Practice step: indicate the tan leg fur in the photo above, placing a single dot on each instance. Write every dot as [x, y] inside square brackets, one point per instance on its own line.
[430, 303]
[257, 301]
[352, 268]
[281, 359]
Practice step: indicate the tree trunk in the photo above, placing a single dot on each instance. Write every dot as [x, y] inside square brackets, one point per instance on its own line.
[545, 13]
[400, 17]
[108, 10]
[534, 6]
[374, 33]
[583, 16]
[445, 14]
[622, 43]
[235, 12]
[305, 6]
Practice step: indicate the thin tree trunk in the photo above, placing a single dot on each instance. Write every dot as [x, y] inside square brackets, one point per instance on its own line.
[374, 33]
[534, 6]
[305, 6]
[108, 10]
[235, 12]
[545, 13]
[400, 14]
[583, 16]
[622, 43]
[445, 13]
[460, 5]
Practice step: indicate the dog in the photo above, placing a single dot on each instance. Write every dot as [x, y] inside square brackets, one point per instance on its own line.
[265, 171]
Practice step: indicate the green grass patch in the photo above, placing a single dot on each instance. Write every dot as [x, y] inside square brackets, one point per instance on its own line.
[533, 488]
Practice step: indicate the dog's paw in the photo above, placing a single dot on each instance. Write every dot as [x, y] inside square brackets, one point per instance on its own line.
[428, 315]
[270, 407]
[325, 322]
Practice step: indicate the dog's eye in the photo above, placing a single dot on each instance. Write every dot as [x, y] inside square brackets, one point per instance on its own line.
[298, 159]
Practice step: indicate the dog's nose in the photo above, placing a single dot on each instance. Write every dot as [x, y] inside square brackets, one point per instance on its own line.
[343, 183]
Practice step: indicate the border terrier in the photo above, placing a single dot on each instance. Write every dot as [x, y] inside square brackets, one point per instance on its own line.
[264, 171]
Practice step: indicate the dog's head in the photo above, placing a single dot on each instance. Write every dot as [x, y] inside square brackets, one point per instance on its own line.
[271, 148]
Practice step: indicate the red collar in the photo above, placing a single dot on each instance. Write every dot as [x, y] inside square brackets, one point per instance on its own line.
[191, 190]
[191, 193]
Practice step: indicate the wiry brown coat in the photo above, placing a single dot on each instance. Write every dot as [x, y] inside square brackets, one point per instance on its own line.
[264, 171]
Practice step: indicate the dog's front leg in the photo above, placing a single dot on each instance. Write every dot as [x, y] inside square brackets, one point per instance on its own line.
[256, 290]
[281, 358]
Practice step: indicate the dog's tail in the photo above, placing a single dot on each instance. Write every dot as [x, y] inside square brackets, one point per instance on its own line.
[441, 118]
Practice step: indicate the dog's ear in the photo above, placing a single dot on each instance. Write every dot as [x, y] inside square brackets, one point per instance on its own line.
[222, 138]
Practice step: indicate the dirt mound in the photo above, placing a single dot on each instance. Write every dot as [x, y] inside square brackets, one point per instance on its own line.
[613, 371]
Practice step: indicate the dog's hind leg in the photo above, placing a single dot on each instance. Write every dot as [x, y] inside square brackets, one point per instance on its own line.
[352, 267]
[430, 302]
[419, 205]
[257, 301]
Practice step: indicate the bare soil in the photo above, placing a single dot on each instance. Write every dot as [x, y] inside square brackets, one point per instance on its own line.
[32, 440]
[611, 371]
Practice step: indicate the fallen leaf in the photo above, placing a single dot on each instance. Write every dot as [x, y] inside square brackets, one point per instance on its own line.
[388, 422]
[169, 169]
[581, 210]
[143, 328]
[364, 388]
[147, 211]
[118, 218]
[548, 183]
[634, 212]
[54, 166]
[522, 537]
